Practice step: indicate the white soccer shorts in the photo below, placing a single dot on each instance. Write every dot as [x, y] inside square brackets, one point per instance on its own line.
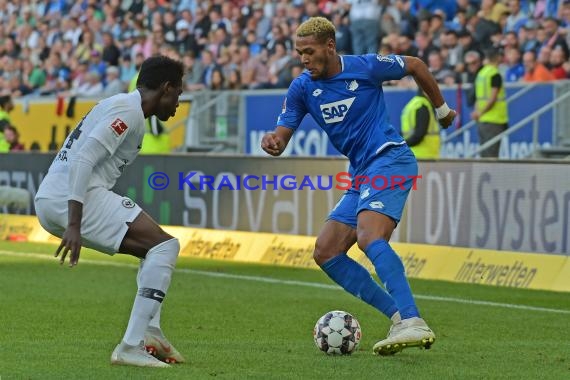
[104, 223]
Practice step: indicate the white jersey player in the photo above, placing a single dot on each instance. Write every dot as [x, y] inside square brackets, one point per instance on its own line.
[75, 203]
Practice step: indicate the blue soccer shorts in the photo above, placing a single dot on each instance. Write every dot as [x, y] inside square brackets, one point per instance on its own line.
[383, 186]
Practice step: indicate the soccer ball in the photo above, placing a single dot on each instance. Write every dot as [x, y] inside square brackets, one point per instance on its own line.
[337, 333]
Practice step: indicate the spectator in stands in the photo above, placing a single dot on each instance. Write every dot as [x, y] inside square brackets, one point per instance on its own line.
[436, 28]
[114, 84]
[454, 56]
[558, 64]
[194, 72]
[364, 26]
[535, 71]
[544, 56]
[252, 69]
[185, 40]
[127, 69]
[33, 77]
[420, 128]
[6, 106]
[545, 8]
[91, 88]
[343, 37]
[554, 39]
[517, 17]
[564, 17]
[169, 27]
[484, 27]
[473, 63]
[528, 37]
[468, 43]
[449, 7]
[111, 53]
[97, 64]
[218, 81]
[491, 107]
[406, 46]
[87, 45]
[12, 137]
[438, 69]
[277, 37]
[277, 63]
[514, 68]
[234, 80]
[209, 65]
[510, 41]
[424, 45]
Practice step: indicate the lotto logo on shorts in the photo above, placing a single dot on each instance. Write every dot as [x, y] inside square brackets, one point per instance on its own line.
[127, 203]
[119, 127]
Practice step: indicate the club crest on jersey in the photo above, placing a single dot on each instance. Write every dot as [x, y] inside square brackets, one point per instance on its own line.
[336, 111]
[352, 85]
[382, 58]
[119, 127]
[127, 203]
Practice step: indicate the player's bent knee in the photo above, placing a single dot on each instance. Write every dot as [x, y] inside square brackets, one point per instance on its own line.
[324, 251]
[364, 238]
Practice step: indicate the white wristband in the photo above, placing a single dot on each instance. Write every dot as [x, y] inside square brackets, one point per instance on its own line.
[442, 111]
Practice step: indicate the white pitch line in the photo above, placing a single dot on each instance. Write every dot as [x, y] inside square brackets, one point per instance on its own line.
[293, 282]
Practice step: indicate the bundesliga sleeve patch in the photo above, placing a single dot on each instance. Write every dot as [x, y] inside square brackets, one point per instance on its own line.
[119, 127]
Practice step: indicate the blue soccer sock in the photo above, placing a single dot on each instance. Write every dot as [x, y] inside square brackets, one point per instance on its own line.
[356, 280]
[390, 270]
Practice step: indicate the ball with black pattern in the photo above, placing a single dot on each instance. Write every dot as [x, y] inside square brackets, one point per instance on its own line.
[337, 333]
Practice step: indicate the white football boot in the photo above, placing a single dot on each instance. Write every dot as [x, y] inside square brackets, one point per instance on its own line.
[125, 354]
[411, 332]
[157, 345]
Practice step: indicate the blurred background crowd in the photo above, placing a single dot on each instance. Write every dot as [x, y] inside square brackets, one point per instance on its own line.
[93, 48]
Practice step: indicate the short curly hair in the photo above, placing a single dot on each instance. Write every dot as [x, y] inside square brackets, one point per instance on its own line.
[319, 27]
[158, 70]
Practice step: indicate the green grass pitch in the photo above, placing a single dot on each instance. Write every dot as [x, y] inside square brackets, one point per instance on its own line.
[244, 321]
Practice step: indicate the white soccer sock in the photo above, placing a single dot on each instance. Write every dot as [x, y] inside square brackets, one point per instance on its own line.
[155, 321]
[153, 280]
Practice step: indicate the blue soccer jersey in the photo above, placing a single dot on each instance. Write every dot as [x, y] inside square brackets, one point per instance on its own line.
[349, 106]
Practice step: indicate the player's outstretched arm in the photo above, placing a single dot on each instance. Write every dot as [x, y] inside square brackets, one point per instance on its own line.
[274, 143]
[71, 239]
[81, 167]
[425, 80]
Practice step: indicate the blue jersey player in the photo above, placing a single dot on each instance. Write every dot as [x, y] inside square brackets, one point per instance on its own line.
[344, 96]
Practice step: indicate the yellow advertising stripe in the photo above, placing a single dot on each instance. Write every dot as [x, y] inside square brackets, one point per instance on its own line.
[289, 250]
[561, 283]
[219, 245]
[476, 266]
[18, 227]
[503, 268]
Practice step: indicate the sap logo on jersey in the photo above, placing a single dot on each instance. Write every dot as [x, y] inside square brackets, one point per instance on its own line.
[336, 111]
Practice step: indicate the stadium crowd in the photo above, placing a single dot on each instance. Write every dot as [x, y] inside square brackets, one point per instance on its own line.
[93, 48]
